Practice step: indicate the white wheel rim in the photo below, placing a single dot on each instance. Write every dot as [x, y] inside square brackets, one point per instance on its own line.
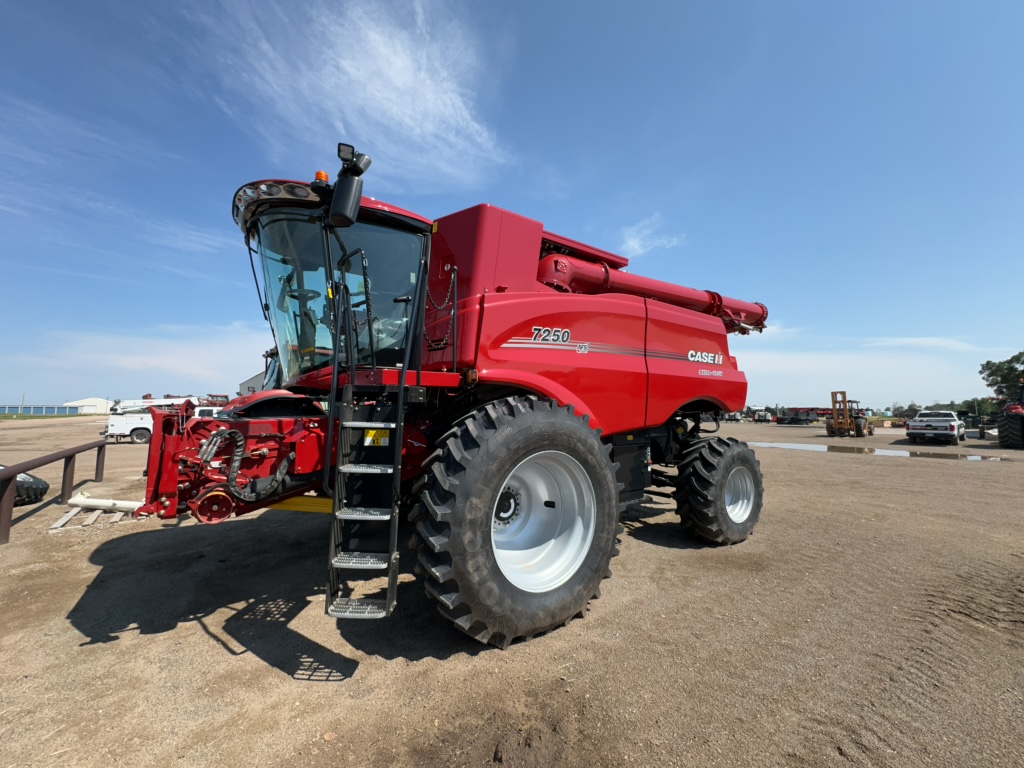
[543, 522]
[739, 494]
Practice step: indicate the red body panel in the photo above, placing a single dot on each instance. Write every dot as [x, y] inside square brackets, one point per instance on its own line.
[625, 361]
[388, 377]
[672, 333]
[596, 363]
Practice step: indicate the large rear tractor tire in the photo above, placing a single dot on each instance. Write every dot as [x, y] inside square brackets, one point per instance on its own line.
[1011, 430]
[859, 426]
[719, 490]
[518, 520]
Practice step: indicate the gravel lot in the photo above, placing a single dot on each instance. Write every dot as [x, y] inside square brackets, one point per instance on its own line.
[875, 618]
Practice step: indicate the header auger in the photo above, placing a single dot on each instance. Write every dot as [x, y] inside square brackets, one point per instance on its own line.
[503, 388]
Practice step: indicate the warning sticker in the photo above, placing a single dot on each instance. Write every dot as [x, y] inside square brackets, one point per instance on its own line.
[376, 438]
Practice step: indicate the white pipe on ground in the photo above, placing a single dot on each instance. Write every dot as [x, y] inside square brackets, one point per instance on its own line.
[113, 505]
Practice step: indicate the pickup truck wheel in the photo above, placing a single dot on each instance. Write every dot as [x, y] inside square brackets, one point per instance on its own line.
[518, 519]
[911, 438]
[140, 435]
[720, 489]
[955, 440]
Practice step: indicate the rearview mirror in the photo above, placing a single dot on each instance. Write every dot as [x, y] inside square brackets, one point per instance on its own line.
[348, 192]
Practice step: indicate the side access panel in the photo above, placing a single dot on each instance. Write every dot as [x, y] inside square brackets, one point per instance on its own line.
[587, 351]
[688, 359]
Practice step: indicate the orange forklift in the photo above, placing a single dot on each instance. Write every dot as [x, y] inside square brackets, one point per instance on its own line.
[847, 419]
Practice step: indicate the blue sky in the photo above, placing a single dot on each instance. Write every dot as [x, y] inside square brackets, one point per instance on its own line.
[859, 168]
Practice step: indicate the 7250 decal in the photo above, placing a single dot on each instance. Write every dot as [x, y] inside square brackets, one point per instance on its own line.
[552, 335]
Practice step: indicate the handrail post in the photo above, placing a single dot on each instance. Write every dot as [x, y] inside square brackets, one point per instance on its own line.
[8, 490]
[101, 457]
[9, 479]
[68, 482]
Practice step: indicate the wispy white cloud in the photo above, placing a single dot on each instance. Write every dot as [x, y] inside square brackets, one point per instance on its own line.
[179, 236]
[777, 328]
[41, 143]
[639, 238]
[922, 342]
[12, 210]
[402, 86]
[193, 359]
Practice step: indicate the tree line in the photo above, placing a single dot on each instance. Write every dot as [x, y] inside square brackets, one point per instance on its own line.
[1004, 377]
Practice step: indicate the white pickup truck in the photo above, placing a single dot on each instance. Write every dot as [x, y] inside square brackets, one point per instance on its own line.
[137, 425]
[936, 425]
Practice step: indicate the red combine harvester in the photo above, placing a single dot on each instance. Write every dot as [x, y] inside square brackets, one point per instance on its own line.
[505, 388]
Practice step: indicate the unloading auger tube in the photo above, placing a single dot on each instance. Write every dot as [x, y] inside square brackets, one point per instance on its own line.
[578, 276]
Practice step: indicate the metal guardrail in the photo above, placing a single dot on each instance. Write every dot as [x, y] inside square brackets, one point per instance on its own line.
[9, 476]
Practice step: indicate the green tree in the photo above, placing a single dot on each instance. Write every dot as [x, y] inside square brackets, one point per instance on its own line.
[1004, 376]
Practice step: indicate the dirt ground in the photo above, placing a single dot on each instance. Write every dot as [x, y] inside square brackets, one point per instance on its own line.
[875, 618]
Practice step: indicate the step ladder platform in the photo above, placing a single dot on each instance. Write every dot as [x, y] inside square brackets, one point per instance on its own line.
[362, 560]
[367, 469]
[382, 514]
[353, 608]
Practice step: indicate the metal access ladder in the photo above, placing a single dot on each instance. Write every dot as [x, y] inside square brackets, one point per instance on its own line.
[366, 480]
[364, 525]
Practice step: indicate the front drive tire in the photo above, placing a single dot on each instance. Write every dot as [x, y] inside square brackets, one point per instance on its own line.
[518, 519]
[719, 490]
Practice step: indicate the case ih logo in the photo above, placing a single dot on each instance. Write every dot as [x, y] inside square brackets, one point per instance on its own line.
[704, 357]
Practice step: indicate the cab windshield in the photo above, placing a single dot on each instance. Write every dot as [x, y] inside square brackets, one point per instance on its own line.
[295, 264]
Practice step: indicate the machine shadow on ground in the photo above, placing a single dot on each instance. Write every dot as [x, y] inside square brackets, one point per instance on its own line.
[265, 570]
[652, 522]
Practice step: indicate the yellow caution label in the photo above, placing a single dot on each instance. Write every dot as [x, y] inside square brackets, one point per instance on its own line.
[376, 438]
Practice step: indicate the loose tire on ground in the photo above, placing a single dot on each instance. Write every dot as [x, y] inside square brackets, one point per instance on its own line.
[1011, 430]
[518, 519]
[140, 435]
[719, 490]
[29, 489]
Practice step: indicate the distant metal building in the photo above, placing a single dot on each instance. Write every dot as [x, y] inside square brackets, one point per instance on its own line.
[39, 410]
[91, 405]
[250, 385]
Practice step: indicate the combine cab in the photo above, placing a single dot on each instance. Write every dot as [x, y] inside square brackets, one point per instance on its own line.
[504, 388]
